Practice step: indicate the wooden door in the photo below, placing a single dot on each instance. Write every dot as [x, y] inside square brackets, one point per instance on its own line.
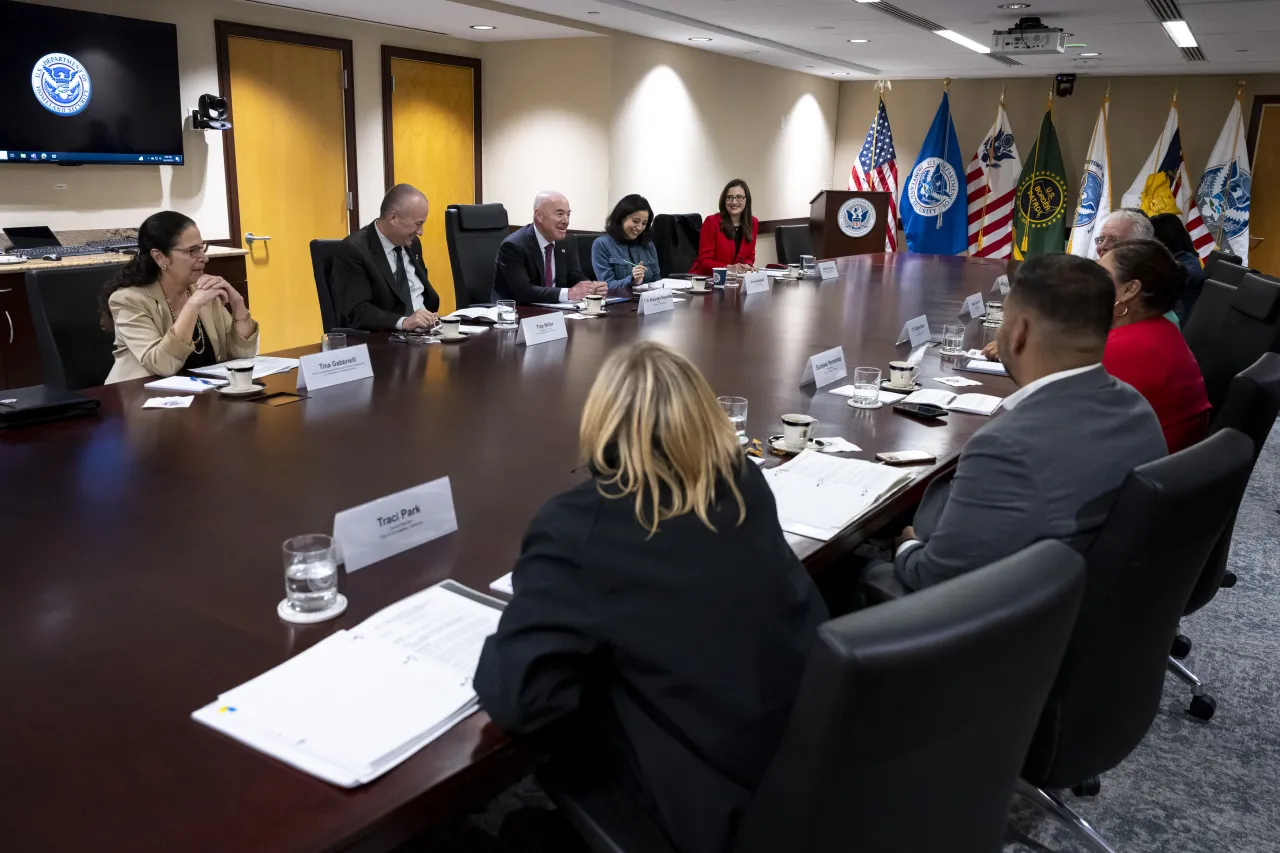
[431, 143]
[1264, 206]
[291, 166]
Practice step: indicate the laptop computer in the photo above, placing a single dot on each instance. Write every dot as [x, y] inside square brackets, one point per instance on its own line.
[31, 237]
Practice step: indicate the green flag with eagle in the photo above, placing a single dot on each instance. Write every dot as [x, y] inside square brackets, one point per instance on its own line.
[1039, 213]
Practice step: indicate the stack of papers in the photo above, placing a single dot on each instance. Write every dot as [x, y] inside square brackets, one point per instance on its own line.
[360, 702]
[185, 384]
[263, 365]
[983, 366]
[972, 404]
[818, 496]
[490, 314]
[665, 284]
[885, 396]
[578, 306]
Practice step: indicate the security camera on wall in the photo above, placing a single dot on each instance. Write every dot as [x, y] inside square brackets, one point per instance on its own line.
[211, 114]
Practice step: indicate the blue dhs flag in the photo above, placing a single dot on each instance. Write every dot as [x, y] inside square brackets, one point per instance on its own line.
[935, 213]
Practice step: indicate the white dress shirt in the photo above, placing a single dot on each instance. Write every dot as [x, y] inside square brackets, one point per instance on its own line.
[543, 243]
[415, 284]
[1011, 402]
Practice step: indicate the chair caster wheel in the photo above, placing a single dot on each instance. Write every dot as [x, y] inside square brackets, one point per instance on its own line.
[1202, 707]
[1181, 646]
[1228, 580]
[1088, 788]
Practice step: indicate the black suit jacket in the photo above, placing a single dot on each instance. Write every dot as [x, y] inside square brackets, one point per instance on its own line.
[364, 285]
[518, 273]
[681, 653]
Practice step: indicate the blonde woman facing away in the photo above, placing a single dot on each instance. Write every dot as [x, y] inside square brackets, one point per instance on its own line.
[659, 602]
[167, 314]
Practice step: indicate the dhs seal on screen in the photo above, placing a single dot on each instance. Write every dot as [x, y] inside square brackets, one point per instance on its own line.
[856, 217]
[61, 84]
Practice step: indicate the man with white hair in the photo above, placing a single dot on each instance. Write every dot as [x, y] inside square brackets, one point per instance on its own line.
[537, 264]
[1122, 225]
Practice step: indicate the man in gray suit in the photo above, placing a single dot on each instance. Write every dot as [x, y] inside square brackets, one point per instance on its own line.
[1049, 466]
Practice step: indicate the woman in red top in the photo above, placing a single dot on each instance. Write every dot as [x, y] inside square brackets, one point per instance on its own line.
[726, 241]
[1147, 351]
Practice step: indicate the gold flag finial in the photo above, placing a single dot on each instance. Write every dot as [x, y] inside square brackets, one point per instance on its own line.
[1240, 84]
[1108, 93]
[946, 84]
[1002, 88]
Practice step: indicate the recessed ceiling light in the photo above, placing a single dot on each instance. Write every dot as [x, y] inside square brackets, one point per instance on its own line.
[1014, 6]
[700, 38]
[483, 27]
[866, 1]
[825, 27]
[839, 72]
[808, 66]
[858, 41]
[593, 13]
[1090, 54]
[1180, 33]
[1077, 44]
[962, 41]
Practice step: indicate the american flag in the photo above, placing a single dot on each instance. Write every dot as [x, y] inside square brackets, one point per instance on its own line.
[876, 170]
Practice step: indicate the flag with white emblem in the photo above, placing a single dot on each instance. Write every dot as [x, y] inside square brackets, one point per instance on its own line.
[1225, 188]
[1095, 189]
[993, 182]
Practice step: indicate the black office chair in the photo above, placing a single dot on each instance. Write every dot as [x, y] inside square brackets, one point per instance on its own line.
[792, 241]
[473, 233]
[675, 236]
[1228, 272]
[1141, 569]
[1231, 328]
[1216, 257]
[582, 243]
[322, 255]
[75, 350]
[929, 700]
[1251, 407]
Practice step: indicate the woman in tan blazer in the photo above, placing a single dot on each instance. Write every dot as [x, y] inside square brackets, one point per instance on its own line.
[167, 314]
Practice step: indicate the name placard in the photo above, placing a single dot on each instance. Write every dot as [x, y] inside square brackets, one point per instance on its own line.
[542, 329]
[975, 305]
[825, 368]
[657, 301]
[1002, 285]
[756, 282]
[379, 529]
[326, 369]
[827, 270]
[916, 331]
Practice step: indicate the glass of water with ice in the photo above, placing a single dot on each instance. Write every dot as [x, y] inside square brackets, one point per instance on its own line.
[953, 338]
[507, 315]
[866, 387]
[310, 573]
[735, 408]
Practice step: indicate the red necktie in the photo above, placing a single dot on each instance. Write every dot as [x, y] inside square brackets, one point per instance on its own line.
[548, 280]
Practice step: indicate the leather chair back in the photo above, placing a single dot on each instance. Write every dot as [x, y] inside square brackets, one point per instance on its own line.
[914, 716]
[75, 350]
[1232, 336]
[473, 233]
[1216, 257]
[1141, 569]
[582, 243]
[1227, 271]
[676, 235]
[322, 254]
[792, 241]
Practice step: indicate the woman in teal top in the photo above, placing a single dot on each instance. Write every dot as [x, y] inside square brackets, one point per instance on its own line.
[625, 255]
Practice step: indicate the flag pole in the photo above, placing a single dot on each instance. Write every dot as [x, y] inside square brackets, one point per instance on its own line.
[946, 87]
[1106, 129]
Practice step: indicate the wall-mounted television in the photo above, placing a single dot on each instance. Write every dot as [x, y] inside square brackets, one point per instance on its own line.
[79, 87]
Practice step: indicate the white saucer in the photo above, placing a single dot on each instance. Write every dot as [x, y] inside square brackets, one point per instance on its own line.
[777, 445]
[252, 389]
[886, 385]
[599, 313]
[854, 404]
[288, 614]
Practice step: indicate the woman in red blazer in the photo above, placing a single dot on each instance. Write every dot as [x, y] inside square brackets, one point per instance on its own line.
[725, 241]
[1147, 351]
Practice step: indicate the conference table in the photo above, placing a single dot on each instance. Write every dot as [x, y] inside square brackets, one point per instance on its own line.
[140, 563]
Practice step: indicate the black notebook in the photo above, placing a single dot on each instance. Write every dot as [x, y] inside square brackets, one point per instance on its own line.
[40, 403]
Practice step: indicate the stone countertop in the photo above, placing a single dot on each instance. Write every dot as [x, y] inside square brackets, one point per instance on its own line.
[105, 258]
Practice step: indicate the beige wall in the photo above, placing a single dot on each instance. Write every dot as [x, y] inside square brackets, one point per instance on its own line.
[1139, 106]
[120, 196]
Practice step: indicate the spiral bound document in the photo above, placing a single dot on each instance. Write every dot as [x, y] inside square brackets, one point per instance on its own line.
[818, 496]
[361, 701]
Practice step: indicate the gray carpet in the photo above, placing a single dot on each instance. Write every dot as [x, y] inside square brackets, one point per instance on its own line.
[1208, 787]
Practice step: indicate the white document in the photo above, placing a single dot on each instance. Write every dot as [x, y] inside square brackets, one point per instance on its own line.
[975, 306]
[168, 403]
[774, 273]
[824, 368]
[263, 365]
[976, 354]
[377, 530]
[755, 282]
[447, 623]
[503, 585]
[665, 284]
[993, 368]
[827, 270]
[885, 396]
[656, 302]
[476, 314]
[818, 496]
[955, 381]
[970, 404]
[836, 444]
[888, 397]
[335, 367]
[471, 330]
[185, 384]
[916, 330]
[542, 329]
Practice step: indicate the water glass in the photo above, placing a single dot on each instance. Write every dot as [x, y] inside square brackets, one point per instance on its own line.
[809, 265]
[310, 573]
[989, 332]
[952, 339]
[866, 387]
[735, 408]
[507, 316]
[332, 341]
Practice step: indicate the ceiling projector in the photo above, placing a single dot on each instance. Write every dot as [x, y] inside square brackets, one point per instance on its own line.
[1028, 37]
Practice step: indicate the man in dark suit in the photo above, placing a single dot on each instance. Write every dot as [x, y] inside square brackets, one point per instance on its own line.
[379, 281]
[536, 263]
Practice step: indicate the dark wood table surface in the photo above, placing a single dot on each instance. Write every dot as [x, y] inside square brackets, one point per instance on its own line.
[140, 558]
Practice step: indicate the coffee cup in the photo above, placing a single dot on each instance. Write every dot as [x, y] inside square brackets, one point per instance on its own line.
[718, 275]
[450, 327]
[902, 374]
[240, 374]
[793, 271]
[698, 283]
[594, 304]
[796, 430]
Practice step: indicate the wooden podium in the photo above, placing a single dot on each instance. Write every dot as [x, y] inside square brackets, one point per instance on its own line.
[829, 241]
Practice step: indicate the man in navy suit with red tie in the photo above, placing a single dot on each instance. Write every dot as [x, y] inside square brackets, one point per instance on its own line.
[536, 263]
